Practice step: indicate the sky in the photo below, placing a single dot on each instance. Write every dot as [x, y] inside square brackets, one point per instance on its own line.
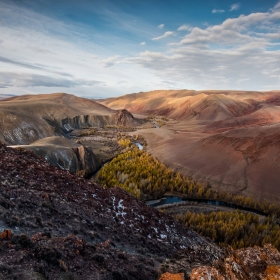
[107, 48]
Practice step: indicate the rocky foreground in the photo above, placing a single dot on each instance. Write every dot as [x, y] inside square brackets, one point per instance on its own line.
[249, 263]
[54, 225]
[58, 226]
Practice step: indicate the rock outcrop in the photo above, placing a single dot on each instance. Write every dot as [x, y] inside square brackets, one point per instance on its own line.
[119, 118]
[243, 264]
[170, 276]
[65, 154]
[84, 121]
[125, 118]
[86, 161]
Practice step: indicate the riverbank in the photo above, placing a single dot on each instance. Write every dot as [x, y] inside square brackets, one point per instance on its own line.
[169, 201]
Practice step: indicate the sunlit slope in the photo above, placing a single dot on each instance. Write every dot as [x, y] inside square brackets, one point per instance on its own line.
[206, 105]
[228, 138]
[25, 119]
[56, 105]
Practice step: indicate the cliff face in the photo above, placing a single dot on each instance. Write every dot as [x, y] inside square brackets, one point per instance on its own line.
[65, 154]
[86, 160]
[87, 121]
[119, 118]
[20, 129]
[124, 118]
[249, 263]
[64, 227]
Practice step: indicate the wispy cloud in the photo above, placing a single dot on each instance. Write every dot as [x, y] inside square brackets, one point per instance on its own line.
[185, 27]
[225, 55]
[42, 52]
[110, 61]
[10, 79]
[34, 66]
[22, 64]
[215, 11]
[234, 7]
[165, 35]
[277, 6]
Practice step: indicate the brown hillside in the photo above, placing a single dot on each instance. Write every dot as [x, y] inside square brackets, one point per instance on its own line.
[182, 104]
[25, 119]
[229, 138]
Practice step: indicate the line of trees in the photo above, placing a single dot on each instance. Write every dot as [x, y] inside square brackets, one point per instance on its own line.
[235, 228]
[146, 178]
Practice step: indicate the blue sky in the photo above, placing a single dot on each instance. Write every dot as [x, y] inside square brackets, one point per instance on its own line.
[100, 48]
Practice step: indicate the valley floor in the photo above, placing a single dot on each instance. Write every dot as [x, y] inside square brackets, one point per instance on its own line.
[224, 161]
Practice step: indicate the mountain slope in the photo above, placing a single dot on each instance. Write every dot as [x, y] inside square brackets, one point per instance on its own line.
[185, 104]
[4, 96]
[65, 153]
[65, 226]
[226, 138]
[25, 119]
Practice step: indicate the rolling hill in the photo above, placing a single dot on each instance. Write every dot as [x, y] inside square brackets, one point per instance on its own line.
[42, 123]
[188, 104]
[25, 119]
[227, 138]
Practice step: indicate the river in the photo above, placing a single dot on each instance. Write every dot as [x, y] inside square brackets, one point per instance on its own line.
[140, 146]
[175, 199]
[155, 125]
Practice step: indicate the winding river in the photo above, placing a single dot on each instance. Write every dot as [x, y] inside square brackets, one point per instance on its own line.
[175, 199]
[140, 146]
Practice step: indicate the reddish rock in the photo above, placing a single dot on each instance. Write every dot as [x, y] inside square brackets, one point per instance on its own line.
[170, 276]
[243, 264]
[6, 234]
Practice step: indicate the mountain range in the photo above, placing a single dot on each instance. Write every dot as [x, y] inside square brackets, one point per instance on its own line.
[227, 138]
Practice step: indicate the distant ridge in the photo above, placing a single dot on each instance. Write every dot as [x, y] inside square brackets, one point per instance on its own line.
[28, 118]
[4, 96]
[210, 105]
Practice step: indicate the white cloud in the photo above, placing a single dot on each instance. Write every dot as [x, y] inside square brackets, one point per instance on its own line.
[185, 27]
[236, 31]
[11, 79]
[143, 44]
[234, 7]
[277, 6]
[228, 55]
[215, 11]
[166, 34]
[161, 26]
[46, 55]
[217, 69]
[110, 61]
